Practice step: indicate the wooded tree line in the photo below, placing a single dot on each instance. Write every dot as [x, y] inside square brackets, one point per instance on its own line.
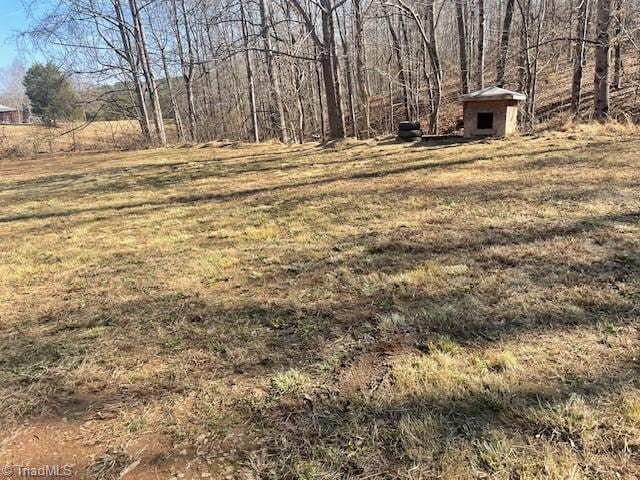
[296, 70]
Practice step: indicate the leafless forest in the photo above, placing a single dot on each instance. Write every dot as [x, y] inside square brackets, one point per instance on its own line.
[297, 70]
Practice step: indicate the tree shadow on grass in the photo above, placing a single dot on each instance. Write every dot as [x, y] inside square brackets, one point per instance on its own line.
[271, 336]
[378, 430]
[200, 198]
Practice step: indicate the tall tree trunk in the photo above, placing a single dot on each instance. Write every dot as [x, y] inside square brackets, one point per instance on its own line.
[205, 71]
[319, 78]
[334, 109]
[223, 117]
[327, 58]
[391, 96]
[298, 77]
[361, 73]
[462, 46]
[141, 107]
[481, 21]
[578, 60]
[570, 50]
[601, 85]
[504, 44]
[161, 45]
[187, 64]
[249, 67]
[521, 72]
[172, 96]
[617, 49]
[405, 45]
[211, 104]
[274, 80]
[533, 72]
[298, 81]
[434, 58]
[350, 88]
[152, 87]
[349, 74]
[427, 75]
[328, 61]
[397, 51]
[524, 75]
[335, 63]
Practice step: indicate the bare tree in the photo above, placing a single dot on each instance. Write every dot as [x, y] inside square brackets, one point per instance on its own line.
[579, 58]
[462, 45]
[274, 80]
[436, 69]
[397, 50]
[250, 80]
[349, 74]
[361, 73]
[128, 53]
[601, 82]
[617, 46]
[187, 60]
[147, 70]
[504, 44]
[11, 87]
[160, 35]
[481, 23]
[328, 62]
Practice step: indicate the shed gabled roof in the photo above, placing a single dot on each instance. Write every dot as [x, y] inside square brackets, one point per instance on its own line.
[4, 109]
[492, 93]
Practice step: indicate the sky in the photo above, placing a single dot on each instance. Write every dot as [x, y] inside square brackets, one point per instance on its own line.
[12, 17]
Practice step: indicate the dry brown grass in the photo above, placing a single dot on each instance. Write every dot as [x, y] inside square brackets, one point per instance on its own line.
[25, 140]
[369, 311]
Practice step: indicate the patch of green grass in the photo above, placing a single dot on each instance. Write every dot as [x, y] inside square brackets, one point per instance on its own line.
[571, 421]
[290, 381]
[136, 425]
[421, 436]
[496, 452]
[438, 376]
[262, 233]
[390, 322]
[631, 405]
[502, 361]
[443, 343]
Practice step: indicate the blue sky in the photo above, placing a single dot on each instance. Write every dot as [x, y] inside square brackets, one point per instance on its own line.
[12, 17]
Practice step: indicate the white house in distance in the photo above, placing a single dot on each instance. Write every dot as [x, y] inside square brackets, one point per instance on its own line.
[492, 111]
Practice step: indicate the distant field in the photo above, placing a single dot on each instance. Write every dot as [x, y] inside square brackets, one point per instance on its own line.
[28, 139]
[372, 310]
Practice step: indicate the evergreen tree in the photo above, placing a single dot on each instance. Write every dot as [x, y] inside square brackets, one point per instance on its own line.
[50, 93]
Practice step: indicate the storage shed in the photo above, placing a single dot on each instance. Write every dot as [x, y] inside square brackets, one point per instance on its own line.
[491, 111]
[9, 115]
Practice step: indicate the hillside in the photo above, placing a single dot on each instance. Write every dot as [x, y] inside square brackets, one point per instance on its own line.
[369, 309]
[553, 97]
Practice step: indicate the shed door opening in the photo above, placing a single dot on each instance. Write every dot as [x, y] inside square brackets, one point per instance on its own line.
[485, 120]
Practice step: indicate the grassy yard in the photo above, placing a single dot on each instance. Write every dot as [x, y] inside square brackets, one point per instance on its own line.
[368, 310]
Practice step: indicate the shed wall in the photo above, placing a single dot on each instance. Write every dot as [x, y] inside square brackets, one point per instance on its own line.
[505, 117]
[10, 117]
